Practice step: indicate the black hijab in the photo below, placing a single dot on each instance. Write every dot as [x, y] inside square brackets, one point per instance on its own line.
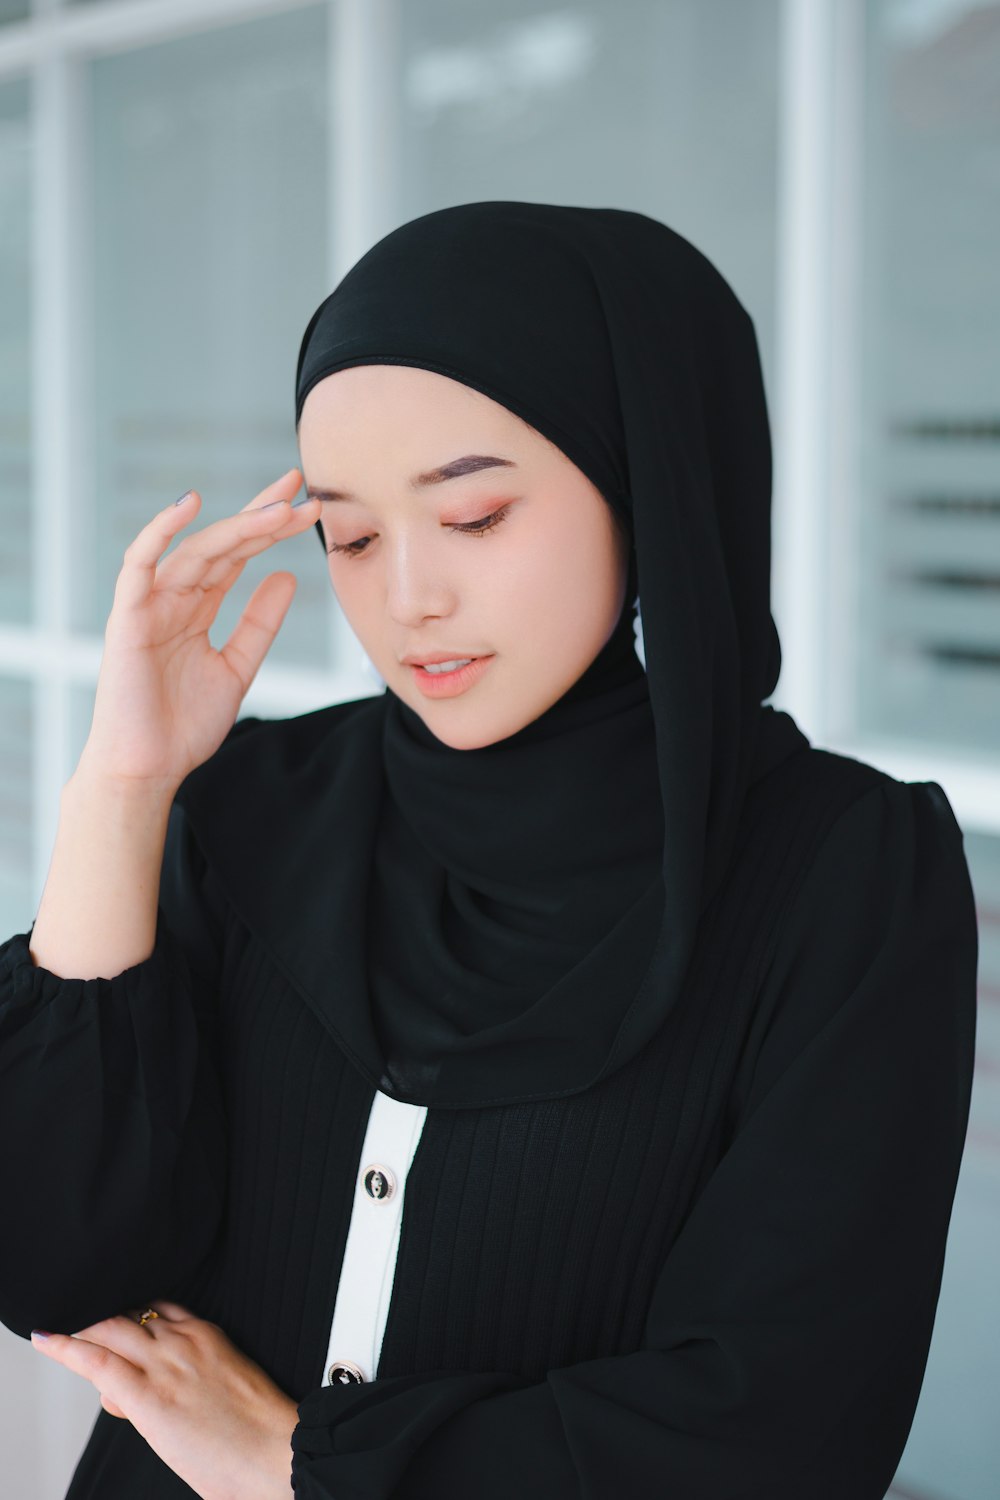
[500, 872]
[515, 921]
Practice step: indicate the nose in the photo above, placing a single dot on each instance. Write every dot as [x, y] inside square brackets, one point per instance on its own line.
[416, 586]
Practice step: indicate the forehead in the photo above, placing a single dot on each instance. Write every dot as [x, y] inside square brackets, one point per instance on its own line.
[407, 418]
[399, 390]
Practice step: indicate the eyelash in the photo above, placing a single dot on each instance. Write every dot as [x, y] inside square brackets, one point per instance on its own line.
[472, 528]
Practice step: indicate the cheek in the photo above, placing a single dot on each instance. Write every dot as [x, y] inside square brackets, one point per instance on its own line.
[584, 569]
[515, 584]
[555, 596]
[354, 599]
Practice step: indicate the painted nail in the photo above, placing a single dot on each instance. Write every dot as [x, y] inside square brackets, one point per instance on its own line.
[39, 1333]
[272, 503]
[303, 500]
[186, 496]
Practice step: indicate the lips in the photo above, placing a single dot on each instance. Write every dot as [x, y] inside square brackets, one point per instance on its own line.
[450, 683]
[437, 657]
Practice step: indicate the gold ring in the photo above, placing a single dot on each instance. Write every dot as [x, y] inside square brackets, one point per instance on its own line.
[149, 1313]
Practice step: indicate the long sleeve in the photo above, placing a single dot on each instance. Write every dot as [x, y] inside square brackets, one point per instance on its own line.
[112, 1131]
[787, 1337]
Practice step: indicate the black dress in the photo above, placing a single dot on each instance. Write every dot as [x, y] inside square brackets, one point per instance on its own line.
[713, 1273]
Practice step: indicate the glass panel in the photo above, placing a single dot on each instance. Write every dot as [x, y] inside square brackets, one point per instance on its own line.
[930, 555]
[14, 10]
[15, 350]
[16, 896]
[210, 254]
[671, 111]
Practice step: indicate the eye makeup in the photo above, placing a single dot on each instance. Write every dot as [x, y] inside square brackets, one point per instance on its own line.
[471, 528]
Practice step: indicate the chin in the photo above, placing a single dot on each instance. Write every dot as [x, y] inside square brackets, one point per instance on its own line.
[469, 731]
[458, 737]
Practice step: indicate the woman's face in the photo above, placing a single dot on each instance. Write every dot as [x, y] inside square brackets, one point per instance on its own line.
[533, 587]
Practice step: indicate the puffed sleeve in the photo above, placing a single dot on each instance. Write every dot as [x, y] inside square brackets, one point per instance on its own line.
[112, 1130]
[787, 1336]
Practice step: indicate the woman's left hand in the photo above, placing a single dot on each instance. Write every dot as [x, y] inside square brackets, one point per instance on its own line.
[212, 1414]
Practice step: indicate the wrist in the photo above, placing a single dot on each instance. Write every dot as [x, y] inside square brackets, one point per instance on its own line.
[89, 781]
[278, 1459]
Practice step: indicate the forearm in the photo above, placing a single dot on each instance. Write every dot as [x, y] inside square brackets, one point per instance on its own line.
[97, 915]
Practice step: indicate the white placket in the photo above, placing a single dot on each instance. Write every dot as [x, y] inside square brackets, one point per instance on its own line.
[369, 1267]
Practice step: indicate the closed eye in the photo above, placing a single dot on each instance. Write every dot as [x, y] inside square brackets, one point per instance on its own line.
[473, 528]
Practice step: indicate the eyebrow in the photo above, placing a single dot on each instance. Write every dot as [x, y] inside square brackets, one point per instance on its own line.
[470, 463]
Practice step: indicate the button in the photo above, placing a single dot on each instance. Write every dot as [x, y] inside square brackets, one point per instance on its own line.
[345, 1372]
[379, 1182]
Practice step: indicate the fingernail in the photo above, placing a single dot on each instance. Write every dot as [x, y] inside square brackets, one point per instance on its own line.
[39, 1333]
[303, 500]
[271, 503]
[186, 496]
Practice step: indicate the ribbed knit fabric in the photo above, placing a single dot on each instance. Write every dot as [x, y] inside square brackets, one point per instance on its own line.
[726, 1253]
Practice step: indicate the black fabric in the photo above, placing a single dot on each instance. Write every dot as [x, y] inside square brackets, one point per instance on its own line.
[786, 1337]
[530, 910]
[713, 1274]
[499, 871]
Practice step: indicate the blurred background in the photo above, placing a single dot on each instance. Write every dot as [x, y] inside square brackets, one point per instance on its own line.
[183, 181]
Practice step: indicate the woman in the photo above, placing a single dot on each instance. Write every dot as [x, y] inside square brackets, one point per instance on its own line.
[658, 1020]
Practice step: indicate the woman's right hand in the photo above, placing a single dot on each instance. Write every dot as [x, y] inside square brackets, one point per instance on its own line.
[166, 698]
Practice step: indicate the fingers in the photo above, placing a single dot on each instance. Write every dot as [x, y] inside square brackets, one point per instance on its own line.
[280, 489]
[142, 554]
[214, 557]
[117, 1354]
[258, 625]
[250, 530]
[172, 1312]
[121, 1332]
[105, 1364]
